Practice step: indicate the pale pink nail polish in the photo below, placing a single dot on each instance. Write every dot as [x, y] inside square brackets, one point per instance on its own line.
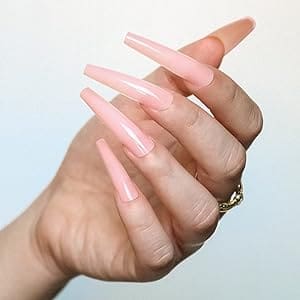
[139, 90]
[128, 133]
[178, 63]
[120, 179]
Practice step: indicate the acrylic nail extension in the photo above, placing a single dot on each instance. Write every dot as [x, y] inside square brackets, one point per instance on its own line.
[119, 177]
[180, 64]
[128, 133]
[139, 90]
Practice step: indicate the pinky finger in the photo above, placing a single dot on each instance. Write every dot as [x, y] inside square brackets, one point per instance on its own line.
[152, 246]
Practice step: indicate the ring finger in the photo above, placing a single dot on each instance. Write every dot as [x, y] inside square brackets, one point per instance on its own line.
[194, 209]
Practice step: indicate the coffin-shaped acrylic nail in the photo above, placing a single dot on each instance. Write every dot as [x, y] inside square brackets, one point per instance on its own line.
[178, 63]
[136, 89]
[119, 177]
[128, 133]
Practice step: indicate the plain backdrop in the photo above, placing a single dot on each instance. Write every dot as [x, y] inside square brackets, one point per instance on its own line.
[255, 253]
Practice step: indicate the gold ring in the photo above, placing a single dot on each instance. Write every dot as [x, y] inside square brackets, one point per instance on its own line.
[236, 198]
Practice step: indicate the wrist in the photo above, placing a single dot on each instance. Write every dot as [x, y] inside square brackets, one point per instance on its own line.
[25, 273]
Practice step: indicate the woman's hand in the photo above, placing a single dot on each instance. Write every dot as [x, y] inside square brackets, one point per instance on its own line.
[79, 228]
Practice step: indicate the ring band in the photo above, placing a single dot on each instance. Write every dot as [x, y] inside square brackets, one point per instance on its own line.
[236, 198]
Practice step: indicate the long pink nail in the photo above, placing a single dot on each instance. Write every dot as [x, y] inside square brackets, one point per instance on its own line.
[182, 65]
[120, 179]
[128, 133]
[139, 90]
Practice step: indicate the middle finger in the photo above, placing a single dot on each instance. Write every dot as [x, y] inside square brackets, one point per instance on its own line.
[219, 155]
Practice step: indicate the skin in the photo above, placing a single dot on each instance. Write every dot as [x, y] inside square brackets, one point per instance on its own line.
[74, 227]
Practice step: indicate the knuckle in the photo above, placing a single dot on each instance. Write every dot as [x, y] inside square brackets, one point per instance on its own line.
[145, 227]
[235, 162]
[159, 163]
[194, 118]
[255, 120]
[255, 117]
[160, 254]
[233, 92]
[205, 220]
[162, 258]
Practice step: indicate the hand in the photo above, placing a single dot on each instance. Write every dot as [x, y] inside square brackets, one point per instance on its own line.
[81, 229]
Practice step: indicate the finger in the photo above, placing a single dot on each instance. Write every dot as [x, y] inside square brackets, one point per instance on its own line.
[209, 50]
[194, 208]
[226, 100]
[220, 156]
[232, 107]
[152, 246]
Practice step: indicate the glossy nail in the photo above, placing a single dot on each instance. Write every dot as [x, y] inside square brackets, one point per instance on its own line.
[139, 90]
[178, 63]
[233, 33]
[128, 133]
[119, 177]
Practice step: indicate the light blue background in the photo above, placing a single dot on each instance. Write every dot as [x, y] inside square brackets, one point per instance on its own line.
[44, 47]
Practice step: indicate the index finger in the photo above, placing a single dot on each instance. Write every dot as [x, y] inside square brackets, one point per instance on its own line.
[209, 50]
[226, 100]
